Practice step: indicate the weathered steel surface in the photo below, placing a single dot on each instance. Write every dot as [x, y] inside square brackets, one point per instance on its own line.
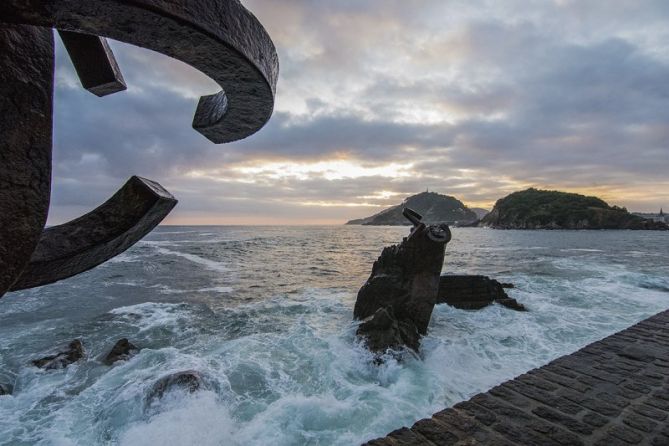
[26, 84]
[220, 38]
[612, 392]
[94, 62]
[81, 244]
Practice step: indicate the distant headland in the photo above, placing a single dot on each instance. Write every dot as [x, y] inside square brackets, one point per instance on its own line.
[548, 209]
[434, 207]
[528, 209]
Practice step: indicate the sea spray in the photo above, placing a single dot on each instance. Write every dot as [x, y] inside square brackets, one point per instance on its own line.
[275, 334]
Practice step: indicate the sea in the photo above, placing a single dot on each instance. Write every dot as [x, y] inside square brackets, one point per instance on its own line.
[265, 314]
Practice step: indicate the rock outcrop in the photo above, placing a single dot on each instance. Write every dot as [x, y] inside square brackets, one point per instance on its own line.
[61, 360]
[398, 298]
[472, 292]
[435, 208]
[187, 380]
[122, 350]
[546, 209]
[5, 389]
[384, 331]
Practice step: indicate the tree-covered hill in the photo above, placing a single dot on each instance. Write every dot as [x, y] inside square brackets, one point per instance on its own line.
[544, 209]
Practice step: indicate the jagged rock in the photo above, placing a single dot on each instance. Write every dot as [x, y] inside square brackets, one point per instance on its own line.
[404, 282]
[472, 292]
[188, 380]
[5, 389]
[62, 359]
[122, 350]
[383, 331]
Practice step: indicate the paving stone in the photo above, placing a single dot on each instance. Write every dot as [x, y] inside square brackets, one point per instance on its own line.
[595, 419]
[602, 407]
[524, 436]
[555, 367]
[535, 381]
[638, 353]
[659, 403]
[435, 432]
[626, 434]
[629, 395]
[651, 412]
[637, 387]
[564, 381]
[557, 402]
[639, 422]
[406, 437]
[456, 420]
[501, 409]
[612, 399]
[564, 420]
[660, 440]
[662, 394]
[510, 396]
[610, 440]
[483, 415]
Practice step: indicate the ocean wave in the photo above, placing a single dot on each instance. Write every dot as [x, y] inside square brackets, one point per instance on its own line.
[207, 263]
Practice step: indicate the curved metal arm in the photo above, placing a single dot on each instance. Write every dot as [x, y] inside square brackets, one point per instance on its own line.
[220, 38]
[81, 244]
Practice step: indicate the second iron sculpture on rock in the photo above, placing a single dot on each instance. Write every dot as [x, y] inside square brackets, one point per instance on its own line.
[397, 300]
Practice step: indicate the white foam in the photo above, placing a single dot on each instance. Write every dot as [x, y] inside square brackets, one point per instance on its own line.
[150, 315]
[198, 419]
[210, 264]
[217, 289]
[581, 250]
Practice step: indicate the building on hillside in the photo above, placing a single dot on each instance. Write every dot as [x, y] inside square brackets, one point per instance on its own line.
[662, 217]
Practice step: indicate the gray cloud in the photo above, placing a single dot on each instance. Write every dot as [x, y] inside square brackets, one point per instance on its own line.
[477, 98]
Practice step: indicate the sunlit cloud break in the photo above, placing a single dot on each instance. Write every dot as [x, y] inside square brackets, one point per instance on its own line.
[473, 99]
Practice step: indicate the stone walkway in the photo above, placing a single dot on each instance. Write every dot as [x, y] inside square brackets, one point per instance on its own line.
[612, 392]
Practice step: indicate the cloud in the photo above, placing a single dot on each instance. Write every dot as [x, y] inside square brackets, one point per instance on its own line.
[474, 99]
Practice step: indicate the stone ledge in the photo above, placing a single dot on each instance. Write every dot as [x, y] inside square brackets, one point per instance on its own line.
[611, 392]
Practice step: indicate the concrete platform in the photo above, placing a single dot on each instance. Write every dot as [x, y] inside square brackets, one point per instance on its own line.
[612, 392]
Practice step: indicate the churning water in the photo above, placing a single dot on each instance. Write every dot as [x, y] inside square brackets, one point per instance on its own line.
[264, 313]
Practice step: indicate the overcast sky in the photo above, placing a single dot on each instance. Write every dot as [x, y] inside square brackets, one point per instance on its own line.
[381, 99]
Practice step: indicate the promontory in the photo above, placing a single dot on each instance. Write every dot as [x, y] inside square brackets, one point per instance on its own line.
[435, 208]
[546, 209]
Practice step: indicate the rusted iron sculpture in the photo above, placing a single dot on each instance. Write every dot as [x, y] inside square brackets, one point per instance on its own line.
[397, 300]
[218, 37]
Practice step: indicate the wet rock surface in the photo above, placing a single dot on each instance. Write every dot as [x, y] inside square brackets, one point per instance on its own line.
[383, 331]
[472, 292]
[62, 359]
[5, 389]
[405, 284]
[122, 350]
[187, 380]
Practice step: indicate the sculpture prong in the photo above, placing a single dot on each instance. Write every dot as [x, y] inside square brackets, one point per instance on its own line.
[85, 242]
[94, 62]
